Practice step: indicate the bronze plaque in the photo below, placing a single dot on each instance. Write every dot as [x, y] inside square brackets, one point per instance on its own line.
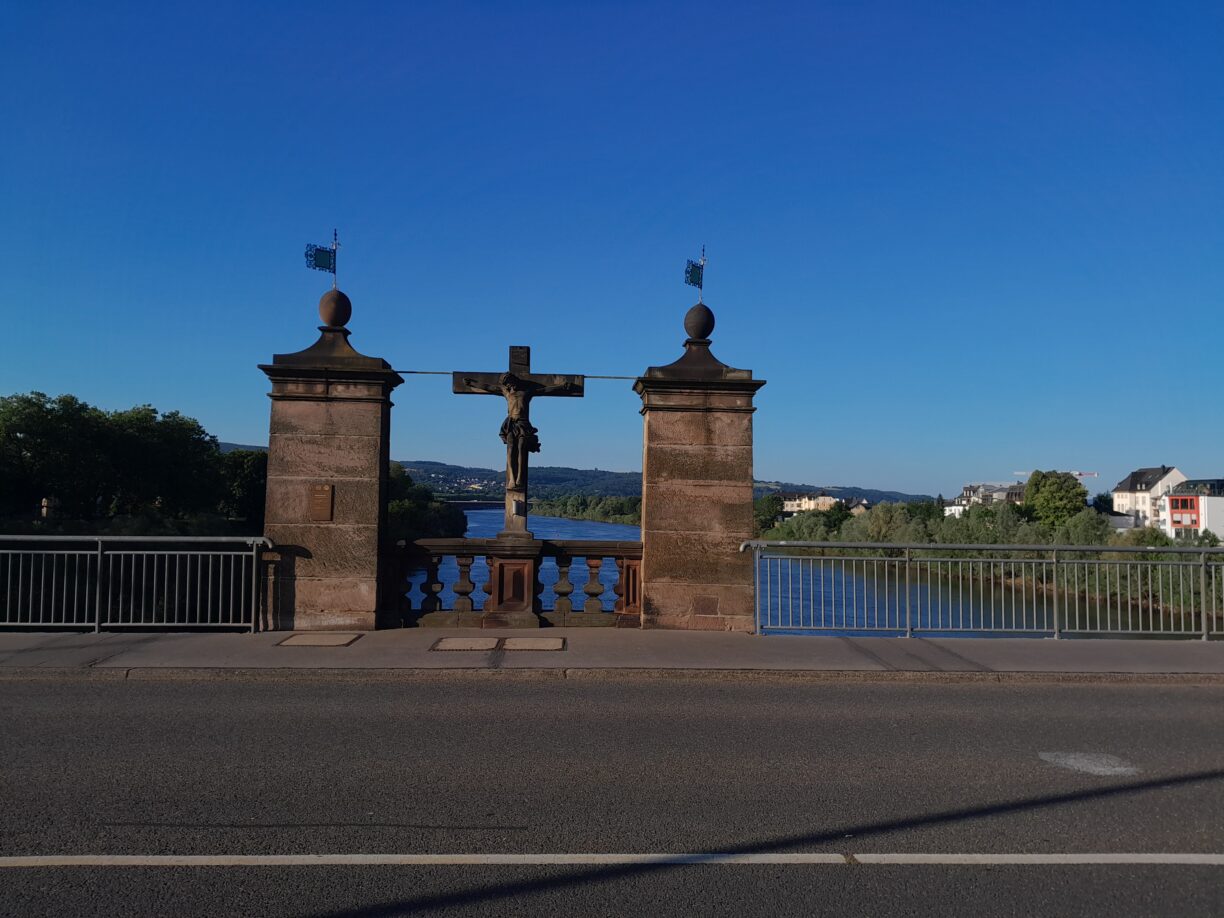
[321, 503]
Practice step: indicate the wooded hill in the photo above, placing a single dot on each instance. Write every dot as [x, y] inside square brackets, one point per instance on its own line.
[550, 481]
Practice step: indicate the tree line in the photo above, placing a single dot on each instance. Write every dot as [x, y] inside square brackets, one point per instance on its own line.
[627, 510]
[1054, 512]
[69, 467]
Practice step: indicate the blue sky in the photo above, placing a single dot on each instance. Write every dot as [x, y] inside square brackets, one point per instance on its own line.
[957, 239]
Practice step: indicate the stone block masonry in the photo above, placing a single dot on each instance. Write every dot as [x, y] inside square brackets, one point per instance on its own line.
[697, 488]
[327, 479]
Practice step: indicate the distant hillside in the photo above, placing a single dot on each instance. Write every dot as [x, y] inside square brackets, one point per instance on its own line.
[549, 481]
[545, 480]
[555, 481]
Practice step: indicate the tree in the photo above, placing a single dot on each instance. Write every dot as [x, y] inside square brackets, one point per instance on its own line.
[1054, 497]
[413, 513]
[53, 449]
[1103, 502]
[765, 513]
[1088, 527]
[168, 463]
[245, 475]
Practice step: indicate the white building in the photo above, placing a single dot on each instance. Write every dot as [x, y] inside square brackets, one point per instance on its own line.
[971, 495]
[1193, 507]
[1139, 493]
[802, 503]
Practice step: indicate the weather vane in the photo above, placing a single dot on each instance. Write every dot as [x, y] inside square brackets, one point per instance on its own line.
[323, 257]
[694, 273]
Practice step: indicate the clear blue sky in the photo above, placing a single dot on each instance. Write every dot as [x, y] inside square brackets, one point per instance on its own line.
[958, 239]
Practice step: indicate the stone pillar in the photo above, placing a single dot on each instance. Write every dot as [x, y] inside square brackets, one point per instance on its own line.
[697, 488]
[328, 454]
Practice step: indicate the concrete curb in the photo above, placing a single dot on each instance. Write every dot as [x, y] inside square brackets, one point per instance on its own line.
[346, 675]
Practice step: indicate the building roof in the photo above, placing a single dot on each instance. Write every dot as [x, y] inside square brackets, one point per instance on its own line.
[1143, 479]
[1210, 487]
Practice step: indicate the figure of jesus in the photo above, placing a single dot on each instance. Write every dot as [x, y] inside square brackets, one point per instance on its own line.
[516, 430]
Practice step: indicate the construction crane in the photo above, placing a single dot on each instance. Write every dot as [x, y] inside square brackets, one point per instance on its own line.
[1080, 475]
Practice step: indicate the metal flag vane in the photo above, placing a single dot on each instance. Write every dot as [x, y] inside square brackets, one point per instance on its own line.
[694, 274]
[323, 257]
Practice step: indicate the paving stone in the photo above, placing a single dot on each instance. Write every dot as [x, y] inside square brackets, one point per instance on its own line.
[319, 639]
[534, 643]
[466, 643]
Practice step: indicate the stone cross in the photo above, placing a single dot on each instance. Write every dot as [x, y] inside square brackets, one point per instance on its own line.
[518, 386]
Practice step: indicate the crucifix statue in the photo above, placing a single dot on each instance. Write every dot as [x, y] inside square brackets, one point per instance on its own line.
[518, 386]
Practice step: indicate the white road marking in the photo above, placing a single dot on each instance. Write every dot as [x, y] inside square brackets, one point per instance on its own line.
[1216, 860]
[590, 859]
[1094, 763]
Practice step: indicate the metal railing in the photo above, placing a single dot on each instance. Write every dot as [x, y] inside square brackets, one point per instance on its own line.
[130, 582]
[1047, 590]
[576, 581]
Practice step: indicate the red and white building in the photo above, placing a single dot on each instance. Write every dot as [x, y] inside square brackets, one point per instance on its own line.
[1193, 507]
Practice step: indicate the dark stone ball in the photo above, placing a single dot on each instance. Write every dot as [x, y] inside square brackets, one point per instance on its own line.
[699, 321]
[335, 309]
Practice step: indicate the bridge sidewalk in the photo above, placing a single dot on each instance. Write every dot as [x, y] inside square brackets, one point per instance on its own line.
[611, 651]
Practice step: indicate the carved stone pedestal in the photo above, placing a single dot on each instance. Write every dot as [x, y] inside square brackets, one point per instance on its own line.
[513, 585]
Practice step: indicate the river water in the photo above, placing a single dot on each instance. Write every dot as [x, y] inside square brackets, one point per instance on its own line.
[485, 524]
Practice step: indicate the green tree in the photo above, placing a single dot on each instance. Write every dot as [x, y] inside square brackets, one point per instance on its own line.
[54, 449]
[245, 476]
[1054, 497]
[1103, 502]
[765, 513]
[413, 513]
[162, 462]
[1088, 527]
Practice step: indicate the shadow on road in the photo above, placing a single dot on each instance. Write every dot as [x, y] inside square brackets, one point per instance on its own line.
[476, 895]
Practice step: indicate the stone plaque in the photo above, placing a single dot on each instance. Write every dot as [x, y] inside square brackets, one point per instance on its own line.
[322, 500]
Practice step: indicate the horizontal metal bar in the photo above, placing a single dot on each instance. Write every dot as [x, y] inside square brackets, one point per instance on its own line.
[163, 554]
[153, 540]
[1046, 562]
[756, 544]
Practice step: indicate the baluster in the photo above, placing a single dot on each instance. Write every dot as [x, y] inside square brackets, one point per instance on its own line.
[619, 587]
[487, 586]
[593, 587]
[432, 586]
[463, 586]
[563, 587]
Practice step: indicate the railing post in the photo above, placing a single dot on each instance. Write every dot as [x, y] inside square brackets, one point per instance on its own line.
[756, 585]
[98, 592]
[1203, 595]
[1057, 605]
[256, 577]
[909, 618]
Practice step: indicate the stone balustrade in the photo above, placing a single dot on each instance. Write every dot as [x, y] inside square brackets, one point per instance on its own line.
[445, 582]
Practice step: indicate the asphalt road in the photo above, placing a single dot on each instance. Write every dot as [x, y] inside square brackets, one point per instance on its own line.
[497, 764]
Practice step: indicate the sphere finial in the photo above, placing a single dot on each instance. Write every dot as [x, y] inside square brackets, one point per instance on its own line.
[699, 322]
[335, 309]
